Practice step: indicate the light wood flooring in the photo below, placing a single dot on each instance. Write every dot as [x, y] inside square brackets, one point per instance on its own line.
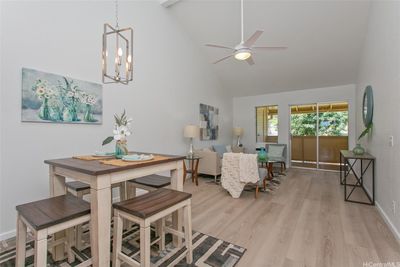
[305, 222]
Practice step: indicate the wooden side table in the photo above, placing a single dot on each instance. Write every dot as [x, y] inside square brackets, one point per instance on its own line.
[193, 170]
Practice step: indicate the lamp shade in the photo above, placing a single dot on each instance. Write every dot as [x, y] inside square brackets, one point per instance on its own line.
[191, 131]
[238, 131]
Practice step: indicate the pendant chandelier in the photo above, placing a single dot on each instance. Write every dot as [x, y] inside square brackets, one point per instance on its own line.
[117, 52]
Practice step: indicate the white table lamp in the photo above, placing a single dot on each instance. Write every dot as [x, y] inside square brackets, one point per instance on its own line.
[238, 132]
[191, 131]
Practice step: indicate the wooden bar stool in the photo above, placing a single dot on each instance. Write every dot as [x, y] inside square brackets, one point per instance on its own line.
[149, 183]
[79, 189]
[46, 217]
[144, 210]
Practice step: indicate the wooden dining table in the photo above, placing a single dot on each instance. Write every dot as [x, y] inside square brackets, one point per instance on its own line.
[100, 174]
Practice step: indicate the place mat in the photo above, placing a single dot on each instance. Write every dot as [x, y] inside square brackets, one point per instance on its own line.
[122, 163]
[91, 157]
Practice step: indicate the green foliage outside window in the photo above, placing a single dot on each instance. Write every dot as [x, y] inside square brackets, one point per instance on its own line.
[330, 124]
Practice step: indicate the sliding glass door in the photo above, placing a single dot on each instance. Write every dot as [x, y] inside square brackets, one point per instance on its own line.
[318, 132]
[303, 124]
[333, 133]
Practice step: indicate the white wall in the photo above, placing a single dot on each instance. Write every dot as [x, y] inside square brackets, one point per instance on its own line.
[380, 68]
[244, 110]
[170, 80]
[1, 147]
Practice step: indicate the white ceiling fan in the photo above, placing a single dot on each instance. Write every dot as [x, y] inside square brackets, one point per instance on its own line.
[244, 50]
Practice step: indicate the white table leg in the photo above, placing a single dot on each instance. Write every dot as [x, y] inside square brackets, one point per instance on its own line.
[41, 252]
[100, 202]
[20, 243]
[117, 239]
[177, 184]
[188, 232]
[57, 188]
[145, 246]
[70, 242]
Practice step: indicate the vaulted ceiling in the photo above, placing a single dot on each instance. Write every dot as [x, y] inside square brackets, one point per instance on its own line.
[325, 40]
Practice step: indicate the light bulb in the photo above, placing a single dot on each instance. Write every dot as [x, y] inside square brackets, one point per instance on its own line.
[242, 55]
[129, 59]
[120, 51]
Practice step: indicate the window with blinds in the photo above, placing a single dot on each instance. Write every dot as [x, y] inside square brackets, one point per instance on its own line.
[267, 124]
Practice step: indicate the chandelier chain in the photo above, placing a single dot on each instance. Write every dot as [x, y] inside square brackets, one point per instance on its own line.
[116, 14]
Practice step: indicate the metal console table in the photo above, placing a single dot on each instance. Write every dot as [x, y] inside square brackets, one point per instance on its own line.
[347, 162]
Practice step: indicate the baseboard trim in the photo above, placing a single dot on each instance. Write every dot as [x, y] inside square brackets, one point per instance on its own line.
[388, 222]
[7, 235]
[385, 217]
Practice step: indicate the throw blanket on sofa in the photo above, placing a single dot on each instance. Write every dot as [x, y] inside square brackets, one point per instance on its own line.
[237, 171]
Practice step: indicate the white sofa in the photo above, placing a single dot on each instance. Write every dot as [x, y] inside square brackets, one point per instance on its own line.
[210, 162]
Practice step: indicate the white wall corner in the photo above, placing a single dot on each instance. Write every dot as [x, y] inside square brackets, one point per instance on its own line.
[168, 3]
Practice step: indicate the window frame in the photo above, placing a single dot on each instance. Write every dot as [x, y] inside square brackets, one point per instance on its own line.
[265, 136]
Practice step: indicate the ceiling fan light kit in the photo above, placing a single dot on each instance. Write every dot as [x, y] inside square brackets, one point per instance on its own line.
[242, 54]
[244, 50]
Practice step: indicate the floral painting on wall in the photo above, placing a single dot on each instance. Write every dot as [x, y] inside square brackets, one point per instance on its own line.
[48, 97]
[208, 122]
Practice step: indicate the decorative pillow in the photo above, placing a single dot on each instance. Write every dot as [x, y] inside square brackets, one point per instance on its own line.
[275, 151]
[220, 149]
[228, 149]
[208, 149]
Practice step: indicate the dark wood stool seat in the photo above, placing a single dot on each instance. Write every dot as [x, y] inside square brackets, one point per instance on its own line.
[47, 217]
[148, 183]
[77, 186]
[155, 181]
[151, 203]
[146, 209]
[48, 212]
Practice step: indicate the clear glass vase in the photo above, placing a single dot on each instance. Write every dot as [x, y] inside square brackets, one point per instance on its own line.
[88, 117]
[44, 111]
[121, 149]
[358, 150]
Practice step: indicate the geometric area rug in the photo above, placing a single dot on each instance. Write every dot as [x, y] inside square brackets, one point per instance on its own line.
[207, 251]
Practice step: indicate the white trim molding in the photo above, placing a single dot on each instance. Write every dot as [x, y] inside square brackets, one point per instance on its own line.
[388, 222]
[7, 235]
[168, 3]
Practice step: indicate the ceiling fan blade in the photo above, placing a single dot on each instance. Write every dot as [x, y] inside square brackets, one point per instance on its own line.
[219, 46]
[222, 59]
[253, 38]
[268, 47]
[250, 61]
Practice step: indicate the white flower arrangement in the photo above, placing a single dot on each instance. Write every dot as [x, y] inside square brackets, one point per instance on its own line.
[43, 90]
[121, 129]
[87, 99]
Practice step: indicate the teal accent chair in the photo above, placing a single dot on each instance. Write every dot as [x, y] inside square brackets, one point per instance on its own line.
[278, 154]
